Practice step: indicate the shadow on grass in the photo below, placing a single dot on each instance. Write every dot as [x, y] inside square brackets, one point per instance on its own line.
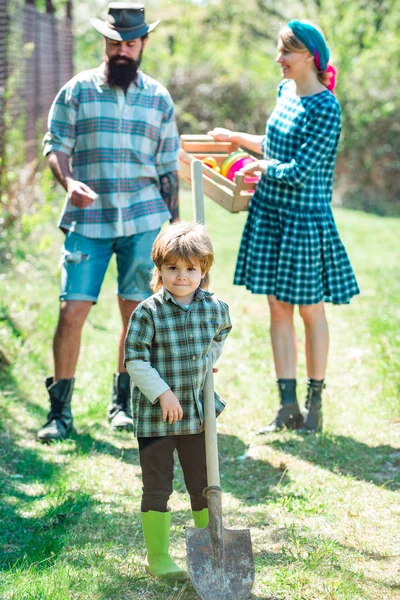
[22, 537]
[247, 479]
[250, 480]
[13, 332]
[8, 322]
[85, 443]
[30, 473]
[82, 441]
[319, 556]
[344, 455]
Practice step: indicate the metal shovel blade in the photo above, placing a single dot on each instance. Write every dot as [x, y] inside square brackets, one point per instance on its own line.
[220, 561]
[233, 578]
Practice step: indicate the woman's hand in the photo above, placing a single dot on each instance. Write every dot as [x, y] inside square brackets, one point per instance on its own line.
[220, 134]
[171, 408]
[258, 166]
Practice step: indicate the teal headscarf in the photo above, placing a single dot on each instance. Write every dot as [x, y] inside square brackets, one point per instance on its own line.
[313, 41]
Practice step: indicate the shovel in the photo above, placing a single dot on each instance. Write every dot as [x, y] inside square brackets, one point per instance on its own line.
[220, 561]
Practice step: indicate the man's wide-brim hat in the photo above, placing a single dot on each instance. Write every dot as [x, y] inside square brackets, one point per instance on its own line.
[125, 21]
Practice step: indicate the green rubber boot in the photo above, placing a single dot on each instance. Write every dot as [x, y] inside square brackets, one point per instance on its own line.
[156, 527]
[200, 518]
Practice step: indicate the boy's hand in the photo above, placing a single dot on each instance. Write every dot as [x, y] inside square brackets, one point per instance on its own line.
[171, 408]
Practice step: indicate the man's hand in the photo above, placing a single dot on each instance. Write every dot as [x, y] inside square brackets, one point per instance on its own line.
[80, 194]
[171, 408]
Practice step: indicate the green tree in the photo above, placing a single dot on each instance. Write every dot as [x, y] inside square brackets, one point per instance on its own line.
[218, 59]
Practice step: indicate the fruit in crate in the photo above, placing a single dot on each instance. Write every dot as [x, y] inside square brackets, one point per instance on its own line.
[233, 195]
[238, 165]
[211, 162]
[234, 163]
[230, 159]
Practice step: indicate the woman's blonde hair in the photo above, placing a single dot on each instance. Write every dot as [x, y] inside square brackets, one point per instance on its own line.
[293, 44]
[188, 242]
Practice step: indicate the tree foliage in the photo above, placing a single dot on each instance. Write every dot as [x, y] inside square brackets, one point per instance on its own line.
[217, 57]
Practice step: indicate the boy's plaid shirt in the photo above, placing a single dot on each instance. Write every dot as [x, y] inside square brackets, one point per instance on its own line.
[175, 341]
[120, 145]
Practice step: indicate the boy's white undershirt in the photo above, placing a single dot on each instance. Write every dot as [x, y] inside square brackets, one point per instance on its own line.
[148, 379]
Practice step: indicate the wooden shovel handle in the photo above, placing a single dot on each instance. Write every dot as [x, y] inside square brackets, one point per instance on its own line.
[210, 426]
[197, 190]
[210, 422]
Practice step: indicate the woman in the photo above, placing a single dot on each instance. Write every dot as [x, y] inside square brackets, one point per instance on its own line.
[290, 249]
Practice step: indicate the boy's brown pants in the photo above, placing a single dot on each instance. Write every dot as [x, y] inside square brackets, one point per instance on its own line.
[157, 463]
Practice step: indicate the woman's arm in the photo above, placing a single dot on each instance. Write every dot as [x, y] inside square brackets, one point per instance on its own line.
[321, 135]
[320, 138]
[247, 140]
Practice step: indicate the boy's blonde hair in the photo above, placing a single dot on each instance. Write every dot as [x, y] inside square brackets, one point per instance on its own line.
[188, 242]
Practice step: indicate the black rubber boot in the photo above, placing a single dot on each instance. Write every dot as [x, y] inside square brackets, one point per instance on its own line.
[119, 411]
[59, 419]
[288, 415]
[312, 413]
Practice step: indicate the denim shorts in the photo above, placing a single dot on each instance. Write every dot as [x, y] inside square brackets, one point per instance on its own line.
[85, 260]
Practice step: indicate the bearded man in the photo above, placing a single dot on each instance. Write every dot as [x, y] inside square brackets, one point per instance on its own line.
[113, 145]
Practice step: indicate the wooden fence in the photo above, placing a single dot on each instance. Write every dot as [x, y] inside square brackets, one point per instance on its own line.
[35, 61]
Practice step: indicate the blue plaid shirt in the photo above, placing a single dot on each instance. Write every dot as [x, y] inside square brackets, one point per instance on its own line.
[301, 143]
[120, 145]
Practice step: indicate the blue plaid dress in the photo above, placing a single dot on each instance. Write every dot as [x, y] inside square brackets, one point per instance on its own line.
[290, 247]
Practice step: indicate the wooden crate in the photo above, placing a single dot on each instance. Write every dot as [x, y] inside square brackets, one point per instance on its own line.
[232, 195]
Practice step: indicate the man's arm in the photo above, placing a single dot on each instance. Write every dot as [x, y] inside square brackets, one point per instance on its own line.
[169, 188]
[80, 194]
[59, 144]
[59, 164]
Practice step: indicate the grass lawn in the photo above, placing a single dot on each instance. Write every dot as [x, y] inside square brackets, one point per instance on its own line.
[323, 510]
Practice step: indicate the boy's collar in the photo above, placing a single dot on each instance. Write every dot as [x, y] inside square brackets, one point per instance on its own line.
[198, 295]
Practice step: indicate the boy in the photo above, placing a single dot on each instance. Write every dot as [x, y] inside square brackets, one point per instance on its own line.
[167, 346]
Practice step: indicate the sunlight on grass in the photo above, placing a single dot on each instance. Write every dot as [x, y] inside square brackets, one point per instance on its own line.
[323, 510]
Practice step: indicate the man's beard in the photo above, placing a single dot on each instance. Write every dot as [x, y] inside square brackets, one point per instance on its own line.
[122, 72]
